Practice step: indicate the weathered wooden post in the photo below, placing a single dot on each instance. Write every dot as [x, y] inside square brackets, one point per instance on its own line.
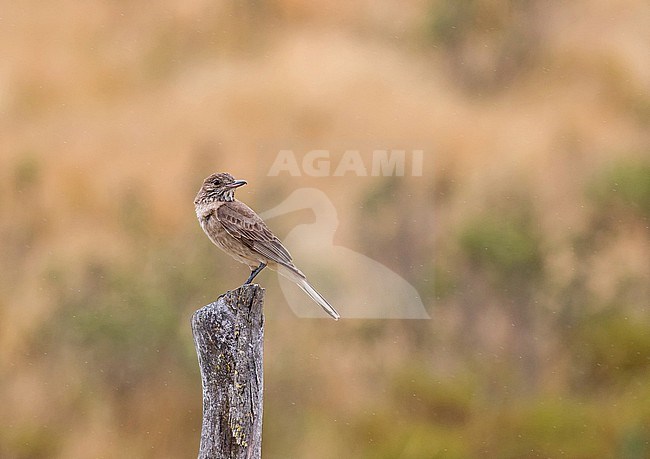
[229, 339]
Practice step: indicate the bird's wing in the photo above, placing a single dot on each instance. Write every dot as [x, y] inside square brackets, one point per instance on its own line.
[242, 223]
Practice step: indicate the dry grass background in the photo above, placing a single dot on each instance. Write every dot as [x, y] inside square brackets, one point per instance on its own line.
[530, 249]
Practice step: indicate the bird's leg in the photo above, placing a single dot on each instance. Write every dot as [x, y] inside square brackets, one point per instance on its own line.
[255, 272]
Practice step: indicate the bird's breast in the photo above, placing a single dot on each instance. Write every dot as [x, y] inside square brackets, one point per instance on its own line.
[222, 239]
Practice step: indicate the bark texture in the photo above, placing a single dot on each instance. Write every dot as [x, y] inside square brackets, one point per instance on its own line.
[229, 339]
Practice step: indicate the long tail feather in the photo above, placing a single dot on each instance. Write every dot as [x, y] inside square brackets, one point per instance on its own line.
[301, 281]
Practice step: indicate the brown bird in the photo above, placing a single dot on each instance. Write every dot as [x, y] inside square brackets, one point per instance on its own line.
[237, 230]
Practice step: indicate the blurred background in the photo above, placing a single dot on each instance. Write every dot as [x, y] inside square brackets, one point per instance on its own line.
[526, 237]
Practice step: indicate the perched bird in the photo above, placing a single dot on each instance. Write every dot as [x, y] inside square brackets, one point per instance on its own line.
[237, 230]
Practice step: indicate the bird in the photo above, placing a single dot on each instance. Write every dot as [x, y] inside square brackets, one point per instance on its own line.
[237, 230]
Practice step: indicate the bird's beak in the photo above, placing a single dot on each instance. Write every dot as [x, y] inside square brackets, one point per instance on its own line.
[237, 184]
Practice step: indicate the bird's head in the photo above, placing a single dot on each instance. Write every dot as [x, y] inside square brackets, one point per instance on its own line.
[218, 187]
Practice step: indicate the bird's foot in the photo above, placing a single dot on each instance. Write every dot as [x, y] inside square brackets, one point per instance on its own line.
[255, 272]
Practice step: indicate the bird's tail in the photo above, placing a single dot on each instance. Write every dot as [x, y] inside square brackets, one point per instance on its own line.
[300, 280]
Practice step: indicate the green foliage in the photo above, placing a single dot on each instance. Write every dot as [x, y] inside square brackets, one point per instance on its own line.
[626, 185]
[507, 247]
[549, 428]
[379, 197]
[432, 415]
[450, 20]
[506, 30]
[27, 172]
[124, 324]
[414, 440]
[635, 442]
[446, 403]
[444, 283]
[611, 350]
[121, 328]
[29, 441]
